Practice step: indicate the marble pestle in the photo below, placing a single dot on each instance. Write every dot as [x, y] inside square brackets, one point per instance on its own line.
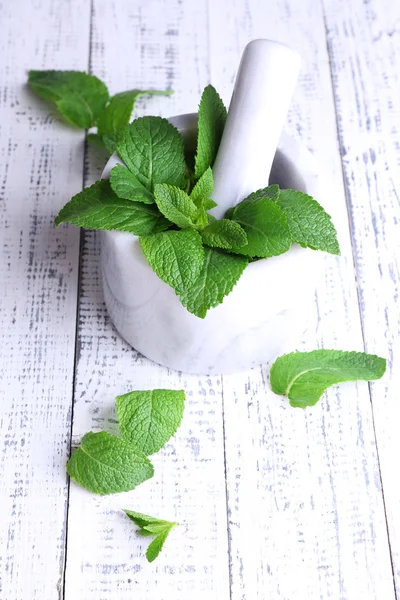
[263, 90]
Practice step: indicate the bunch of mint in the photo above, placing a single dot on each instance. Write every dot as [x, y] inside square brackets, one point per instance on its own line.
[107, 464]
[164, 197]
[84, 101]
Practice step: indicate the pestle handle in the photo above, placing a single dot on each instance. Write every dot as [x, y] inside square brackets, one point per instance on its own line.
[263, 90]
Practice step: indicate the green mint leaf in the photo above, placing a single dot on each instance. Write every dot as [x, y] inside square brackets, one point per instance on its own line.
[111, 140]
[219, 274]
[152, 526]
[175, 256]
[176, 205]
[105, 464]
[202, 191]
[271, 192]
[98, 207]
[304, 376]
[211, 123]
[95, 139]
[118, 112]
[79, 97]
[309, 224]
[224, 234]
[266, 227]
[148, 419]
[152, 149]
[127, 186]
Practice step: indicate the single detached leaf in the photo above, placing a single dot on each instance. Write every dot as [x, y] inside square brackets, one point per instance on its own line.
[175, 204]
[152, 526]
[147, 419]
[219, 274]
[304, 376]
[224, 234]
[105, 464]
[79, 97]
[118, 112]
[309, 224]
[202, 191]
[152, 149]
[176, 256]
[127, 186]
[211, 123]
[266, 227]
[98, 207]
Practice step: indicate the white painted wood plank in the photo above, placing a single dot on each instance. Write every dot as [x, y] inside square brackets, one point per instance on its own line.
[151, 44]
[40, 167]
[306, 516]
[364, 50]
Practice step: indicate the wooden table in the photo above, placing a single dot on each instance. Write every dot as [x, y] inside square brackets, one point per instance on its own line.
[274, 502]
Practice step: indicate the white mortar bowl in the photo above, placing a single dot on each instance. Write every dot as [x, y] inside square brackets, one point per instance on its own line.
[264, 316]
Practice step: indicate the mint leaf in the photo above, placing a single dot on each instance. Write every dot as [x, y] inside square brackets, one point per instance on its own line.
[176, 256]
[118, 112]
[309, 224]
[152, 149]
[111, 140]
[127, 186]
[152, 526]
[219, 274]
[147, 419]
[271, 192]
[211, 123]
[224, 234]
[304, 376]
[105, 464]
[266, 227]
[202, 191]
[175, 204]
[95, 139]
[98, 207]
[79, 97]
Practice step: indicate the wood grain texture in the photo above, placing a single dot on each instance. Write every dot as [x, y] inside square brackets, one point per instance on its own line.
[151, 44]
[40, 167]
[306, 515]
[364, 49]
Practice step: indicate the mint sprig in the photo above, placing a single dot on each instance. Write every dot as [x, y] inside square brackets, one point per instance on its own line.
[151, 526]
[304, 376]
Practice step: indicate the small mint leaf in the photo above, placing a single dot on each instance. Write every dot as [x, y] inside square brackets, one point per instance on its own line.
[224, 234]
[266, 227]
[150, 526]
[211, 123]
[175, 256]
[127, 186]
[148, 419]
[98, 207]
[105, 464]
[152, 149]
[304, 376]
[219, 274]
[202, 191]
[79, 97]
[157, 545]
[175, 204]
[118, 112]
[309, 224]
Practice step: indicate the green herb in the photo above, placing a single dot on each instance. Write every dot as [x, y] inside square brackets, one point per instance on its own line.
[127, 186]
[176, 205]
[211, 123]
[105, 464]
[219, 273]
[176, 256]
[79, 97]
[304, 376]
[202, 191]
[266, 227]
[224, 234]
[309, 224]
[98, 207]
[152, 149]
[151, 526]
[148, 419]
[117, 115]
